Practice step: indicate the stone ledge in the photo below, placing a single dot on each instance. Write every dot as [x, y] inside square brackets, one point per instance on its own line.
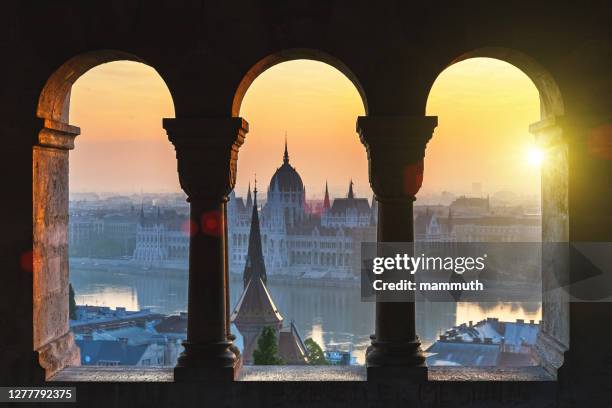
[114, 374]
[518, 374]
[301, 373]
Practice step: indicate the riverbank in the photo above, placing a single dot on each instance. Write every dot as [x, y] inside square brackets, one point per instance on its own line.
[180, 269]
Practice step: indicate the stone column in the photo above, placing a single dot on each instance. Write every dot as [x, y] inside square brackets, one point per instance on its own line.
[53, 340]
[553, 337]
[207, 152]
[576, 208]
[396, 149]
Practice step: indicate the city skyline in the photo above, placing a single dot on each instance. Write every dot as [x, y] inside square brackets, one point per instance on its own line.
[316, 197]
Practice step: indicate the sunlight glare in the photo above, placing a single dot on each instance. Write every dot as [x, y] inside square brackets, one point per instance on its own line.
[535, 156]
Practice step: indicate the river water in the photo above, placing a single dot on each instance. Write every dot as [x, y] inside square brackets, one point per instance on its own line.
[335, 317]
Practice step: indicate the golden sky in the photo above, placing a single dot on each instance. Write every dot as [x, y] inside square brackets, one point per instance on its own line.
[122, 147]
[318, 107]
[484, 108]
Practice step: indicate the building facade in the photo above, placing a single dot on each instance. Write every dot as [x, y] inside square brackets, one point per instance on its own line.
[297, 240]
[471, 219]
[161, 239]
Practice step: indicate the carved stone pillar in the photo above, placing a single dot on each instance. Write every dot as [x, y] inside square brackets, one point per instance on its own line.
[576, 208]
[53, 340]
[207, 152]
[553, 336]
[396, 148]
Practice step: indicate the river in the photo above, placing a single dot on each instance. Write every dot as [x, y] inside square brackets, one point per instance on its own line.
[332, 316]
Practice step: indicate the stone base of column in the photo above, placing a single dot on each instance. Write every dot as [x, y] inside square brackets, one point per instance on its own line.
[205, 374]
[214, 362]
[397, 374]
[59, 353]
[401, 361]
[551, 353]
[234, 348]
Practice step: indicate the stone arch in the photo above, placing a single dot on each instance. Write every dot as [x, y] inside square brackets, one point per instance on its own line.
[54, 100]
[553, 339]
[551, 100]
[290, 55]
[52, 339]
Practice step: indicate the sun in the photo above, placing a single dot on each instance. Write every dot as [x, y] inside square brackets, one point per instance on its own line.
[535, 156]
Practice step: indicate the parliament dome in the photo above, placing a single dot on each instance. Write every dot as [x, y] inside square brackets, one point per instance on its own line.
[286, 178]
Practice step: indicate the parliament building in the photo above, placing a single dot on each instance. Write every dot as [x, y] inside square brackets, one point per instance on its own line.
[297, 241]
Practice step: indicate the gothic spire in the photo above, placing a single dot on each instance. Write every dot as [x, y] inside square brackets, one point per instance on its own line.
[286, 155]
[374, 211]
[249, 200]
[254, 267]
[142, 216]
[326, 204]
[254, 191]
[351, 194]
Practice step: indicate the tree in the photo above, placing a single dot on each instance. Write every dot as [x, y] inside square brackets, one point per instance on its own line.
[71, 303]
[267, 348]
[315, 353]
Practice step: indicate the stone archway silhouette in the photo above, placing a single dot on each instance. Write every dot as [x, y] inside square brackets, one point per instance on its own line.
[290, 55]
[53, 340]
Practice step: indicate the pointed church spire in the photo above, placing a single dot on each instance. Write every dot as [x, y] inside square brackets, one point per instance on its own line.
[351, 194]
[286, 155]
[254, 268]
[142, 216]
[249, 200]
[326, 204]
[374, 211]
[254, 191]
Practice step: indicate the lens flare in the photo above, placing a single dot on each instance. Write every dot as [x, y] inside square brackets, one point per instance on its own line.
[535, 156]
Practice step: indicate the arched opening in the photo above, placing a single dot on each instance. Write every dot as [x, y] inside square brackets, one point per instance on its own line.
[93, 220]
[313, 205]
[292, 55]
[551, 100]
[489, 180]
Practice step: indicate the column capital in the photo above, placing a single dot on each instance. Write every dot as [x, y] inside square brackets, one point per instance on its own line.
[57, 135]
[396, 148]
[568, 130]
[207, 154]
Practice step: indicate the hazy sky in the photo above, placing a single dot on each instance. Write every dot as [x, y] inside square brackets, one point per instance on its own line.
[122, 146]
[318, 107]
[484, 108]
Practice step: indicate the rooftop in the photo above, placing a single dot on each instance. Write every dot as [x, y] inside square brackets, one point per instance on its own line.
[94, 352]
